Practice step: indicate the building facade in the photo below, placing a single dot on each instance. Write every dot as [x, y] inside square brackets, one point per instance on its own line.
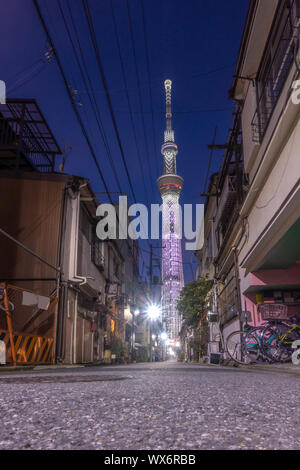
[252, 206]
[54, 252]
[269, 254]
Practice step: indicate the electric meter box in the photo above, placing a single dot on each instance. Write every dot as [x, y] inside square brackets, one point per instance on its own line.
[212, 317]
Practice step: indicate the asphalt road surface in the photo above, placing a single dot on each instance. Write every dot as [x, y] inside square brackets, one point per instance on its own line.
[161, 406]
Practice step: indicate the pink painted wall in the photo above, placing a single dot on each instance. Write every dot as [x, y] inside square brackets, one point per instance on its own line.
[267, 278]
[291, 275]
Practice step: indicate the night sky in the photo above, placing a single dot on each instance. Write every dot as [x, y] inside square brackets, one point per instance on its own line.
[193, 42]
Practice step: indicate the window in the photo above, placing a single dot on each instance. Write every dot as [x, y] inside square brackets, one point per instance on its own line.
[98, 253]
[85, 225]
[228, 297]
[275, 65]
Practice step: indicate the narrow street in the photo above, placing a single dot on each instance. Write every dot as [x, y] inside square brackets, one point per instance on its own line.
[143, 406]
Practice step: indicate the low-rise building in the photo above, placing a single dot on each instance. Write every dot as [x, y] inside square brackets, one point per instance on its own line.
[54, 251]
[255, 220]
[268, 253]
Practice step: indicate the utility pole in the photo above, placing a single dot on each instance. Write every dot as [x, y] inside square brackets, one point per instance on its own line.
[151, 271]
[151, 296]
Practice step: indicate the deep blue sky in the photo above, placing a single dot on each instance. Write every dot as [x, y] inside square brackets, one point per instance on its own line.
[186, 39]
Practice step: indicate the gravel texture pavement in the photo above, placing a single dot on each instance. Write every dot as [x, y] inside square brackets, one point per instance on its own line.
[160, 406]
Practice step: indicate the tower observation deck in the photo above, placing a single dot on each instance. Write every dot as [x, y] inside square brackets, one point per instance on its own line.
[170, 185]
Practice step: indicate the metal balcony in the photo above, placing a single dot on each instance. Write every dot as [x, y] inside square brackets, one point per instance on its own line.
[227, 200]
[26, 141]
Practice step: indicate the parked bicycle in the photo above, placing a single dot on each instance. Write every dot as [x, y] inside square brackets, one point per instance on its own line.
[245, 346]
[270, 342]
[278, 338]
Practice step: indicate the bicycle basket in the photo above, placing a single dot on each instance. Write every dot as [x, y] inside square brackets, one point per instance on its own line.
[273, 311]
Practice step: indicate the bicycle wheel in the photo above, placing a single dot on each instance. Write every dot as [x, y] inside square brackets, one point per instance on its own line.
[255, 335]
[241, 349]
[272, 343]
[288, 338]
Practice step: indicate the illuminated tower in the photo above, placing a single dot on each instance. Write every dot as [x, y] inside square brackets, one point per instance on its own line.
[170, 185]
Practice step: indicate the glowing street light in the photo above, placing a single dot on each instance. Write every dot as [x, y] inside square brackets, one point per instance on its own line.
[164, 336]
[153, 312]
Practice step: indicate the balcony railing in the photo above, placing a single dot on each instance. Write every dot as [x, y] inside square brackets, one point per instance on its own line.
[227, 300]
[227, 199]
[26, 141]
[97, 256]
[275, 75]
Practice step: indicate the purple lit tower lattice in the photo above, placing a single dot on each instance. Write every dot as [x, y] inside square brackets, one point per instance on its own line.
[170, 185]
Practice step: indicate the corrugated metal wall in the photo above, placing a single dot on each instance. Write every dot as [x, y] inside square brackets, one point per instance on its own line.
[30, 211]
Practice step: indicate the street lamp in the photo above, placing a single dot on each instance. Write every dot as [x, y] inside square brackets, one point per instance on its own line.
[153, 314]
[135, 313]
[164, 336]
[165, 339]
[171, 352]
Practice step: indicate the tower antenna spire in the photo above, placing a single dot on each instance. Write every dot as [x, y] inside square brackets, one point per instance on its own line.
[168, 88]
[169, 133]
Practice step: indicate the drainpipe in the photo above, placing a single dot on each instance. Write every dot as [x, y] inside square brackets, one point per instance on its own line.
[70, 274]
[75, 329]
[237, 281]
[73, 256]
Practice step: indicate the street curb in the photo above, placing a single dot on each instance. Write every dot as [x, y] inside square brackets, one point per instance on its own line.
[39, 367]
[55, 366]
[14, 368]
[280, 370]
[268, 368]
[255, 367]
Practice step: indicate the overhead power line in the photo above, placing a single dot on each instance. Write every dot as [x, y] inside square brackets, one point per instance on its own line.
[188, 111]
[156, 154]
[174, 77]
[128, 101]
[139, 92]
[28, 73]
[91, 94]
[104, 82]
[74, 105]
[70, 96]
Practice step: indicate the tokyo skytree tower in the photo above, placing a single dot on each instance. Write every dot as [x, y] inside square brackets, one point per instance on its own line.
[170, 185]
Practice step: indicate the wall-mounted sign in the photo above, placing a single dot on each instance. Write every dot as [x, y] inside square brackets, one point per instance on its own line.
[273, 311]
